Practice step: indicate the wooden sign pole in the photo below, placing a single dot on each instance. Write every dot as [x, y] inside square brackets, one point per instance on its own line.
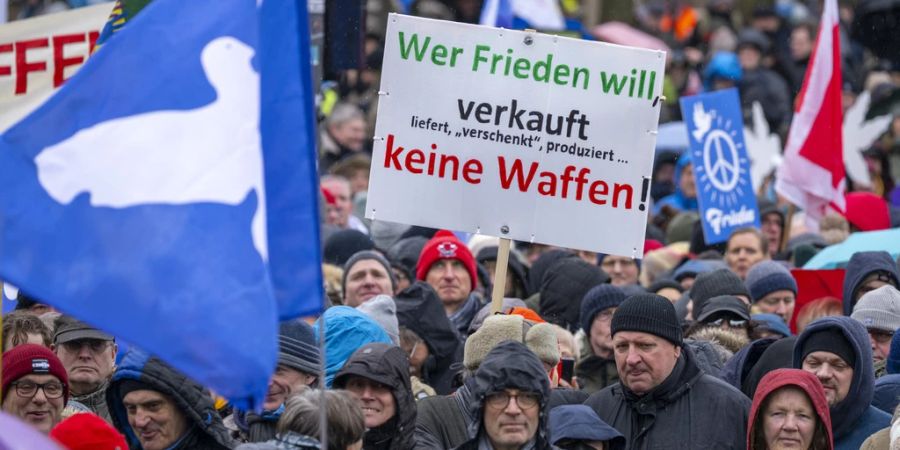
[500, 276]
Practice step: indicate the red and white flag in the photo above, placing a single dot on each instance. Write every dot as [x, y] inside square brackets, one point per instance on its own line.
[812, 173]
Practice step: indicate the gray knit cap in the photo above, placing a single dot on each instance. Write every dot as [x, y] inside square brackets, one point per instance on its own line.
[297, 347]
[364, 255]
[766, 277]
[879, 309]
[383, 309]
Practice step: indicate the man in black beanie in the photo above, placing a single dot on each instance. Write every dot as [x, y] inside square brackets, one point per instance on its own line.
[662, 394]
[713, 284]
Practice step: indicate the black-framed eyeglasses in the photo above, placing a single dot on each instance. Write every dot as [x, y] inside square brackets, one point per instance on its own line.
[500, 400]
[95, 345]
[52, 389]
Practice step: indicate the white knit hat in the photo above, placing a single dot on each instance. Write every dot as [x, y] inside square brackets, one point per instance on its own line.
[879, 309]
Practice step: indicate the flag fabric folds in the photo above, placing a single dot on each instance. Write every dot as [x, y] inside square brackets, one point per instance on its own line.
[167, 192]
[812, 174]
[521, 14]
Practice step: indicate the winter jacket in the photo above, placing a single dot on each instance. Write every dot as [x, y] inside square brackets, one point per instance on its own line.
[420, 309]
[462, 318]
[540, 267]
[96, 402]
[689, 409]
[206, 431]
[346, 330]
[595, 373]
[510, 365]
[862, 264]
[518, 271]
[388, 365]
[887, 393]
[738, 366]
[288, 441]
[678, 200]
[779, 355]
[854, 418]
[778, 379]
[564, 285]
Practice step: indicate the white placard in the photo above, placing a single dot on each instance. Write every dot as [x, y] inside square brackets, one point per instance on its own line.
[515, 134]
[37, 55]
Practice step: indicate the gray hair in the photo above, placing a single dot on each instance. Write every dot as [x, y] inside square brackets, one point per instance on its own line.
[343, 112]
[346, 425]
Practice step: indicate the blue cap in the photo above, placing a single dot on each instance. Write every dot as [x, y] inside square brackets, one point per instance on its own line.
[774, 323]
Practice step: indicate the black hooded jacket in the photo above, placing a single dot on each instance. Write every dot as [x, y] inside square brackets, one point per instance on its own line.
[206, 431]
[689, 409]
[564, 285]
[862, 264]
[420, 309]
[510, 365]
[388, 365]
[517, 271]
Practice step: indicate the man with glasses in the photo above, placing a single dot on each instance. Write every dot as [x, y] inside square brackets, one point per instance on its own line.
[35, 386]
[89, 356]
[510, 393]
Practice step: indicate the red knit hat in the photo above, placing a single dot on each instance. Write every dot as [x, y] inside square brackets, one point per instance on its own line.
[445, 245]
[867, 211]
[86, 431]
[31, 358]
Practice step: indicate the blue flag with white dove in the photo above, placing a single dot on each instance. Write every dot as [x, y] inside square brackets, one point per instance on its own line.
[167, 193]
[721, 167]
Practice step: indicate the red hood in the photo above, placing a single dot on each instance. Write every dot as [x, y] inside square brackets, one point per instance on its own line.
[806, 381]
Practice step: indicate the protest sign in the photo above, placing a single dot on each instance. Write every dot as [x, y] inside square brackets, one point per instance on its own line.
[721, 167]
[515, 134]
[38, 55]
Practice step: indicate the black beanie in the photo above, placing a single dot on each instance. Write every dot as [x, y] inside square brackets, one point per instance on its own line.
[830, 340]
[713, 284]
[648, 313]
[129, 384]
[341, 245]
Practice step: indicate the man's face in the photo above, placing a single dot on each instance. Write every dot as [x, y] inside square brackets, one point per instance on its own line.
[621, 270]
[881, 343]
[601, 337]
[871, 282]
[366, 279]
[749, 57]
[285, 381]
[451, 280]
[89, 363]
[743, 251]
[832, 371]
[36, 407]
[375, 399]
[778, 302]
[350, 134]
[155, 419]
[686, 182]
[511, 418]
[801, 43]
[340, 212]
[772, 227]
[402, 280]
[643, 360]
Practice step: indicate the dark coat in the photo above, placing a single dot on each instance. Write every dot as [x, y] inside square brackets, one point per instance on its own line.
[779, 355]
[388, 365]
[193, 400]
[510, 365]
[853, 419]
[564, 285]
[595, 373]
[738, 366]
[420, 309]
[689, 409]
[862, 264]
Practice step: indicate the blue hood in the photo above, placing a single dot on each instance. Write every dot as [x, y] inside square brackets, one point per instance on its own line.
[581, 423]
[738, 366]
[346, 330]
[845, 414]
[887, 393]
[861, 264]
[678, 199]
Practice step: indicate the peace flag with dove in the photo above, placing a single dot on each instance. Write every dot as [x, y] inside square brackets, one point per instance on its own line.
[167, 193]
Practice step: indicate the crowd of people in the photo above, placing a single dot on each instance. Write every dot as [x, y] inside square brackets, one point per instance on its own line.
[689, 346]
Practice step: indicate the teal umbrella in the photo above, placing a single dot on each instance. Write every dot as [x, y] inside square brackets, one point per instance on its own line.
[836, 256]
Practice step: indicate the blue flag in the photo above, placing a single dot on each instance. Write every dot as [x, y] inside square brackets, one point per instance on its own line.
[167, 193]
[721, 167]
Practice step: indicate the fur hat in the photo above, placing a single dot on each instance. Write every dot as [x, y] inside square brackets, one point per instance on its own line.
[539, 338]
